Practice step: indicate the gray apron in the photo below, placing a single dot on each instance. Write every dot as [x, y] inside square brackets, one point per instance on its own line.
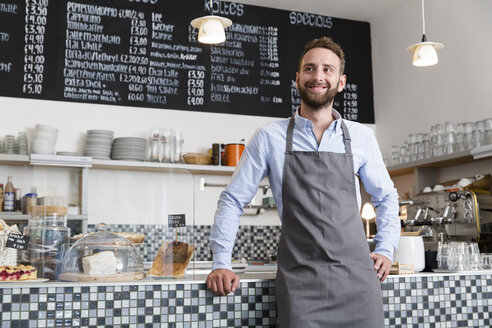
[325, 276]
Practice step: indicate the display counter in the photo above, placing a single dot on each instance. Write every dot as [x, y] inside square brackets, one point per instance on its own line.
[418, 300]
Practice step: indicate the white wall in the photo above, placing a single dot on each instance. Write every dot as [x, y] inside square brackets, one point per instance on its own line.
[127, 197]
[411, 99]
[74, 119]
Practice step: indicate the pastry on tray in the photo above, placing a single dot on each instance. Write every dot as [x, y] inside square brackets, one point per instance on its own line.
[172, 259]
[135, 238]
[18, 273]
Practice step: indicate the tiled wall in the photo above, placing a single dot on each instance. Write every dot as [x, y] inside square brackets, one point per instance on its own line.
[413, 301]
[252, 242]
[144, 305]
[438, 301]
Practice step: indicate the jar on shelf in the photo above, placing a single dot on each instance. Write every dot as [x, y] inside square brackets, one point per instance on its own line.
[49, 239]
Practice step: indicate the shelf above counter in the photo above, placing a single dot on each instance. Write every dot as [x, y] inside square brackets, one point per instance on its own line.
[15, 216]
[161, 167]
[458, 158]
[13, 159]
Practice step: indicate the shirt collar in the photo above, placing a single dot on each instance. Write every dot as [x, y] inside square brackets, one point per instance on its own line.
[305, 124]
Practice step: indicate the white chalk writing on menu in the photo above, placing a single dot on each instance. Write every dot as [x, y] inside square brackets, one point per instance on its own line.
[144, 53]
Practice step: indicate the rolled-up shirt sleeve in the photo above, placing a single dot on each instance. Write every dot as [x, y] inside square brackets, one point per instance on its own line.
[384, 197]
[252, 168]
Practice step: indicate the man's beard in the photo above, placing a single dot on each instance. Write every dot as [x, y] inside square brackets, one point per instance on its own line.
[317, 101]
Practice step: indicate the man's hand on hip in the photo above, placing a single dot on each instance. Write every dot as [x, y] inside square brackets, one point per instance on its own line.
[382, 265]
[222, 281]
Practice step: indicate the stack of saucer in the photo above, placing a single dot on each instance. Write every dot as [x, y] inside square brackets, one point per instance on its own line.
[128, 148]
[98, 144]
[44, 139]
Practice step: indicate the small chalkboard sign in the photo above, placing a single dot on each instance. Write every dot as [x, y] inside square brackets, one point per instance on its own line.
[17, 241]
[176, 220]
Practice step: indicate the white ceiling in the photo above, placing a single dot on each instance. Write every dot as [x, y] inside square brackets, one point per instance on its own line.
[363, 10]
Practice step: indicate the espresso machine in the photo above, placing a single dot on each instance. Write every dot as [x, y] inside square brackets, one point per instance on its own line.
[461, 215]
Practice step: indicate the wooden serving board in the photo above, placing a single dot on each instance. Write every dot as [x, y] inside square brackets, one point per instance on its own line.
[82, 277]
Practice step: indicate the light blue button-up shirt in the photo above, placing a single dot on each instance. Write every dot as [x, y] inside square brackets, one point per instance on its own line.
[264, 156]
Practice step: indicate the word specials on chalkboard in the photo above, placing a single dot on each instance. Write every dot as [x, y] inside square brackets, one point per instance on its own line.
[145, 53]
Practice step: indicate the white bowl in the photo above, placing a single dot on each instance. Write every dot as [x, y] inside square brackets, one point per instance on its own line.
[42, 127]
[45, 135]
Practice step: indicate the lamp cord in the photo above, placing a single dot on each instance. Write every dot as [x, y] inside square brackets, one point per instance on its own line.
[424, 39]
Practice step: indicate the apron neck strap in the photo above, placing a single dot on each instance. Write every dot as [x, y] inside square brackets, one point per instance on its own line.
[346, 139]
[290, 135]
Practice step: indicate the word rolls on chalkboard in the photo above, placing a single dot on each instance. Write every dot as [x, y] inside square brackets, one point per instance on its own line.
[145, 53]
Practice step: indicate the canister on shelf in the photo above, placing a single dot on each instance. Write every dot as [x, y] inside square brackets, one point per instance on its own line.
[217, 153]
[233, 153]
[30, 200]
[18, 199]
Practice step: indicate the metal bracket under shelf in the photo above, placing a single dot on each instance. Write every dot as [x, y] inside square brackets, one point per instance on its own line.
[204, 184]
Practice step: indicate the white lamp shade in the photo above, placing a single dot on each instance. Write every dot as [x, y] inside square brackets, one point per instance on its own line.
[425, 55]
[368, 212]
[211, 31]
[211, 28]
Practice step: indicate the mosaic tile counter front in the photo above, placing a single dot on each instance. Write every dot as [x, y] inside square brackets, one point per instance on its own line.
[433, 300]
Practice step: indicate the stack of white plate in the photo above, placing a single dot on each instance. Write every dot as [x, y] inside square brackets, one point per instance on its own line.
[98, 144]
[129, 148]
[44, 139]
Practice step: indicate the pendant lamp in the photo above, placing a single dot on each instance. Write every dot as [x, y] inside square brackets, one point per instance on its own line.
[211, 28]
[425, 52]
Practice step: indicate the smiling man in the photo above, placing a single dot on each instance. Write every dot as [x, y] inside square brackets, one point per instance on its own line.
[326, 276]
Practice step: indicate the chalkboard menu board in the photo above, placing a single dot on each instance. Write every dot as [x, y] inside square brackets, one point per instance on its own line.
[145, 53]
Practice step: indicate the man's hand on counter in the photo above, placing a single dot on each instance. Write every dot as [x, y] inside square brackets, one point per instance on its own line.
[222, 281]
[382, 265]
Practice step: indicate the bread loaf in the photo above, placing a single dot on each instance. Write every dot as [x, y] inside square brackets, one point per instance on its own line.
[172, 259]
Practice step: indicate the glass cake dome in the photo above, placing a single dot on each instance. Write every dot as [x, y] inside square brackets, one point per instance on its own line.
[102, 256]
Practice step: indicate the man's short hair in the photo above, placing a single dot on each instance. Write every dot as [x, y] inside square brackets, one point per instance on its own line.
[327, 43]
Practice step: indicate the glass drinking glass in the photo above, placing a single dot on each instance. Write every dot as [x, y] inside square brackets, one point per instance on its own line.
[450, 138]
[177, 146]
[468, 135]
[404, 158]
[443, 256]
[22, 143]
[395, 154]
[426, 145]
[479, 134]
[166, 142]
[488, 137]
[488, 124]
[474, 253]
[460, 137]
[155, 147]
[9, 144]
[410, 149]
[419, 146]
[486, 261]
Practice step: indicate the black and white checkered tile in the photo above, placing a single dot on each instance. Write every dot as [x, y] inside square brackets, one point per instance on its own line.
[438, 301]
[252, 242]
[424, 301]
[143, 305]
